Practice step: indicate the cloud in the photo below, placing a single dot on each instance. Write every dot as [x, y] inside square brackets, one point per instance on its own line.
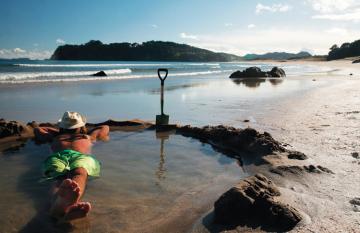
[329, 6]
[228, 24]
[188, 36]
[21, 53]
[60, 41]
[352, 15]
[274, 8]
[19, 50]
[154, 26]
[250, 26]
[336, 10]
[274, 39]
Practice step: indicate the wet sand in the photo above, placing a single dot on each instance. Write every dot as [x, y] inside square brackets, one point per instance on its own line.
[324, 124]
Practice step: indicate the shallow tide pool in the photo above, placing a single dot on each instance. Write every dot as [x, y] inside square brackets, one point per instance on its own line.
[146, 180]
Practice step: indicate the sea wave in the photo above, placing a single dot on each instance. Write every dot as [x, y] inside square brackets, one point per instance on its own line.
[49, 77]
[40, 75]
[90, 65]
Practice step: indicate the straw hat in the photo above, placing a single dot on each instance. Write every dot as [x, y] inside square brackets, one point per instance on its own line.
[72, 120]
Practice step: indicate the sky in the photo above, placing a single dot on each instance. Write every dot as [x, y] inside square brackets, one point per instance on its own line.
[35, 28]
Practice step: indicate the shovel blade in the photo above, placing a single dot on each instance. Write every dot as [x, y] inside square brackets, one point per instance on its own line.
[162, 119]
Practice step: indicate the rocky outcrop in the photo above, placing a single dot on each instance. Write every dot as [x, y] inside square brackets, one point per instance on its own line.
[299, 170]
[100, 74]
[297, 155]
[11, 128]
[256, 72]
[234, 141]
[252, 202]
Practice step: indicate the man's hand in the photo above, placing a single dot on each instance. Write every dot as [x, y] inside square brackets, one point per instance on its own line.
[101, 132]
[45, 134]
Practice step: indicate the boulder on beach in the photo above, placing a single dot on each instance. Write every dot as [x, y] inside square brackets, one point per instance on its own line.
[239, 143]
[252, 203]
[256, 72]
[356, 61]
[11, 128]
[100, 74]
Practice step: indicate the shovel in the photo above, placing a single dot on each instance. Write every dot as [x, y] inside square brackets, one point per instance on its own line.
[162, 119]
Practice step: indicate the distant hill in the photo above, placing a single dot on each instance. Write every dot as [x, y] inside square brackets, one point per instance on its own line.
[345, 50]
[147, 51]
[15, 59]
[277, 56]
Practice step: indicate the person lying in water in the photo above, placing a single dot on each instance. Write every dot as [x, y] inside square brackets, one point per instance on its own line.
[70, 164]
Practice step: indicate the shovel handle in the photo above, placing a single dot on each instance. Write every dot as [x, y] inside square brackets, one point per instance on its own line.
[162, 79]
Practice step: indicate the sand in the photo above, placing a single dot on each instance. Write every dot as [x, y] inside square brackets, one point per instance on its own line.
[324, 124]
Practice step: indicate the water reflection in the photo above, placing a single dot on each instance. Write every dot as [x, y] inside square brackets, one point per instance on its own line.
[160, 172]
[177, 87]
[256, 82]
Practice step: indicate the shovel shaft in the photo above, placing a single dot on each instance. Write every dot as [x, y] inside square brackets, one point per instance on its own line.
[162, 98]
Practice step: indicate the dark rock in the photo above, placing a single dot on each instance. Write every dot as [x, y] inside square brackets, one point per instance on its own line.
[312, 169]
[100, 74]
[355, 201]
[246, 141]
[324, 169]
[355, 155]
[298, 170]
[256, 72]
[251, 202]
[277, 72]
[297, 155]
[356, 61]
[10, 128]
[280, 170]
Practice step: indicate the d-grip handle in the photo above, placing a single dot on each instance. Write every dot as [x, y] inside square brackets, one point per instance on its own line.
[159, 74]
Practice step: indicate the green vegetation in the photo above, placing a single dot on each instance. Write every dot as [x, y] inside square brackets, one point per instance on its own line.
[147, 51]
[345, 50]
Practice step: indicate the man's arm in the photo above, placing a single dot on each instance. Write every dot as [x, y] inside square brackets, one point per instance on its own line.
[101, 132]
[45, 134]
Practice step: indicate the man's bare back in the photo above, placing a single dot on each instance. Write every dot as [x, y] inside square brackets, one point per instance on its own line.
[79, 142]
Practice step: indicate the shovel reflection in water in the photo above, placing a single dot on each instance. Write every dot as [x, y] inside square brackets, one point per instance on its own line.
[161, 170]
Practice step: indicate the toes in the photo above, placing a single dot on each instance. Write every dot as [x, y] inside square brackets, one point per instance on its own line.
[74, 184]
[87, 206]
[66, 183]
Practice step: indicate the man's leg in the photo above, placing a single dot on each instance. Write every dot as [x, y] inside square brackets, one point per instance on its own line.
[79, 175]
[79, 209]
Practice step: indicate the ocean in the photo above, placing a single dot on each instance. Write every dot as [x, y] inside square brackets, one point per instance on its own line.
[78, 71]
[195, 93]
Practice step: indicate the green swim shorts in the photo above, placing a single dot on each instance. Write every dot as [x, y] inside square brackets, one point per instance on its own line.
[60, 163]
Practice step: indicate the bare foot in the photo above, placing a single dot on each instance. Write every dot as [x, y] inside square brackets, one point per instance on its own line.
[79, 210]
[67, 195]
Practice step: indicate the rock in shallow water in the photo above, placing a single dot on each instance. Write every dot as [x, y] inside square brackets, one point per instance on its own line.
[256, 72]
[251, 202]
[100, 74]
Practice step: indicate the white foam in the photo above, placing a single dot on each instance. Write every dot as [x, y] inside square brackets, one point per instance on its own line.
[70, 77]
[40, 75]
[90, 65]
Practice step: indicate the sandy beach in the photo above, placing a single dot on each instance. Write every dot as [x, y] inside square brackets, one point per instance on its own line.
[316, 114]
